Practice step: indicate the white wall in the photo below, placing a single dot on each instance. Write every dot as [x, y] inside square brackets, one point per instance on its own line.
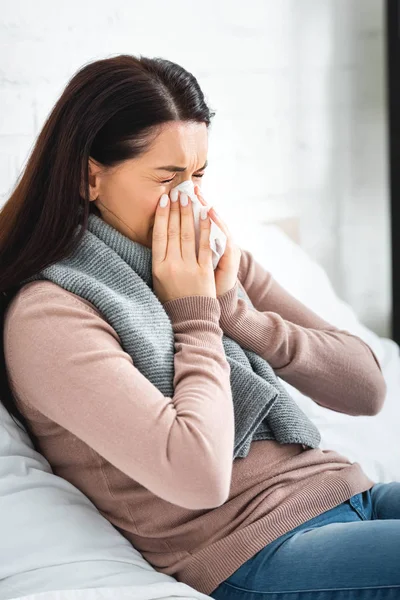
[298, 86]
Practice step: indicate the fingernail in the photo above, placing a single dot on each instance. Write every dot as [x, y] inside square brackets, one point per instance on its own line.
[164, 200]
[184, 199]
[203, 212]
[174, 195]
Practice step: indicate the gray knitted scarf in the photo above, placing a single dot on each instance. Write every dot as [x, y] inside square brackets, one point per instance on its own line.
[115, 274]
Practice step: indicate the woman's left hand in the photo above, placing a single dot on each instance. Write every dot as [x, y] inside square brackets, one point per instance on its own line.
[227, 269]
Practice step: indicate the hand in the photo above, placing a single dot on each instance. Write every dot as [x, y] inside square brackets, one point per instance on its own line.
[177, 271]
[228, 265]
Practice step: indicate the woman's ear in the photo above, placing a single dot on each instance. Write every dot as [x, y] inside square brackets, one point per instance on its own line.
[94, 179]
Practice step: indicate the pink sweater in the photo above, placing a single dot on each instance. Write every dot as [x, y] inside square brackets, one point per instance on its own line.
[160, 469]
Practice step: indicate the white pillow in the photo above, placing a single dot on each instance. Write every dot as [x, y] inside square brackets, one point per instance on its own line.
[371, 441]
[54, 538]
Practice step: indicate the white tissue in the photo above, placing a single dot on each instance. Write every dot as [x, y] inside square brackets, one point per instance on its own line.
[217, 236]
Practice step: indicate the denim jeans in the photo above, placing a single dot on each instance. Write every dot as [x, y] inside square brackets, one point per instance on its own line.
[349, 552]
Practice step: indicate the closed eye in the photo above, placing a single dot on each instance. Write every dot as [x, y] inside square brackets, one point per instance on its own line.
[169, 180]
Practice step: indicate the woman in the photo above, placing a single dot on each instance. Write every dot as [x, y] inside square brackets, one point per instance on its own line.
[125, 132]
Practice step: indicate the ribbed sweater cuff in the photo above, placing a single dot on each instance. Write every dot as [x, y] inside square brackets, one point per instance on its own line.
[228, 304]
[193, 307]
[260, 332]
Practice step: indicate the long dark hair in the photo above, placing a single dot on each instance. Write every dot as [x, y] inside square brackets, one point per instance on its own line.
[109, 111]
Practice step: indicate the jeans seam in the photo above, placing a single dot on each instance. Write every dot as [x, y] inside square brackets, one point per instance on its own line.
[345, 589]
[358, 507]
[374, 516]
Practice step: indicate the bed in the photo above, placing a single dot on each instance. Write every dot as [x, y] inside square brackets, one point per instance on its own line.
[56, 545]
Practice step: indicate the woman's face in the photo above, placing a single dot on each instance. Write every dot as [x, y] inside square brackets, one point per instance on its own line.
[127, 195]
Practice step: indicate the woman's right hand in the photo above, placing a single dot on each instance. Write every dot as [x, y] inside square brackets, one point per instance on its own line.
[177, 271]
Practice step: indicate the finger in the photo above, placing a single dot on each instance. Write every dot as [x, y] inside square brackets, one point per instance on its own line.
[218, 221]
[205, 253]
[174, 231]
[212, 212]
[160, 236]
[198, 193]
[188, 246]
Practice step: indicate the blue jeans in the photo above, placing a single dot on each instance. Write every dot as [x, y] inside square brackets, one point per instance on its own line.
[349, 552]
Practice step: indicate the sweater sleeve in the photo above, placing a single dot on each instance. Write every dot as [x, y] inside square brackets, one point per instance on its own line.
[64, 360]
[331, 366]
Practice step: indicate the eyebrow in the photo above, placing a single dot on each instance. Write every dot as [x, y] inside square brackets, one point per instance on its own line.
[179, 169]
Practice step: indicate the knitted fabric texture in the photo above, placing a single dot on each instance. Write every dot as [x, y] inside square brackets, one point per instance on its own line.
[114, 273]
